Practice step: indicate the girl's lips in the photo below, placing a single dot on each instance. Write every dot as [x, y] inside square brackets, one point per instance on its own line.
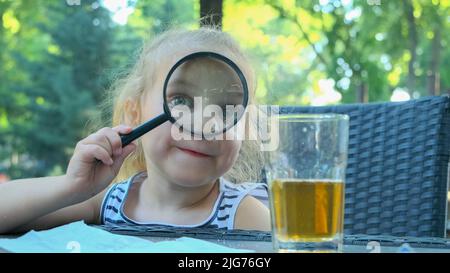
[193, 153]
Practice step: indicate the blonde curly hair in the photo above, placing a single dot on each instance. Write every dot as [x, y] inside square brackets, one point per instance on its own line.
[248, 165]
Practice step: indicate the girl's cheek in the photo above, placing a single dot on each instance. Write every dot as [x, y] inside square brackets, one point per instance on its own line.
[152, 105]
[236, 145]
[231, 153]
[156, 142]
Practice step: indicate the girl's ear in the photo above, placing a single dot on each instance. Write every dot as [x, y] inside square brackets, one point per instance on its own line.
[132, 112]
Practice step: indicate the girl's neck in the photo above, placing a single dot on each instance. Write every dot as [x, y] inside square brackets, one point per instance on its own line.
[159, 193]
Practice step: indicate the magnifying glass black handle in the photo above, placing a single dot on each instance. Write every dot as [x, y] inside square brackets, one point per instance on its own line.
[144, 128]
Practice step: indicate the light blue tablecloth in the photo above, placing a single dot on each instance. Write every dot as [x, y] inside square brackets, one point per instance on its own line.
[79, 237]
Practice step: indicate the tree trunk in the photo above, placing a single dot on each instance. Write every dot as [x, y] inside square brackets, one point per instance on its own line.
[412, 33]
[434, 75]
[211, 13]
[362, 94]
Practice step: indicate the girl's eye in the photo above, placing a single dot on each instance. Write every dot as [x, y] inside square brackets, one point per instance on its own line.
[180, 100]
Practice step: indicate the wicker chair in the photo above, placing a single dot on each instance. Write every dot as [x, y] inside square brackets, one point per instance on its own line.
[398, 164]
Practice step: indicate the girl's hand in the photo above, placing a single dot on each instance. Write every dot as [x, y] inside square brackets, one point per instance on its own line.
[96, 161]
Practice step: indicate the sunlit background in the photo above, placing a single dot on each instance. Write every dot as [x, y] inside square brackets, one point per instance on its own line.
[58, 57]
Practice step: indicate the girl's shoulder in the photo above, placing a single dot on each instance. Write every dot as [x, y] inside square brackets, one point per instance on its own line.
[254, 189]
[244, 205]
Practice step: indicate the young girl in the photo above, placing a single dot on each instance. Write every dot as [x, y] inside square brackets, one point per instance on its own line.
[164, 182]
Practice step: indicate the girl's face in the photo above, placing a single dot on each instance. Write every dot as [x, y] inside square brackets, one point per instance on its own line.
[187, 163]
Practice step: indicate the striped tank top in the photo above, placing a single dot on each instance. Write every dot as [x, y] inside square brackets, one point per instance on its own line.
[222, 215]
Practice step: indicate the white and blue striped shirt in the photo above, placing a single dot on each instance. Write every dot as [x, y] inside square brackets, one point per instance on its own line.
[222, 215]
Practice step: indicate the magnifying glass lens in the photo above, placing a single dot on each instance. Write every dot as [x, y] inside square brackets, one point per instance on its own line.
[205, 96]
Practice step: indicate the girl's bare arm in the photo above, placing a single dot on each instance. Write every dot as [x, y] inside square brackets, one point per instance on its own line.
[40, 203]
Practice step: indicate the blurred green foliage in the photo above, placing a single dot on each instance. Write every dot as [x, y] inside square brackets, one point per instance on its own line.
[58, 57]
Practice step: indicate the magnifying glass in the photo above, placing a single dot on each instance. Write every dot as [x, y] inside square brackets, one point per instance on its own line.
[205, 94]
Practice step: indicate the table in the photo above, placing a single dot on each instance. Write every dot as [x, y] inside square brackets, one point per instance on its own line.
[261, 242]
[372, 247]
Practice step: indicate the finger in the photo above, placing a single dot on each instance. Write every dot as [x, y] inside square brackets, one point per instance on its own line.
[91, 152]
[113, 139]
[101, 140]
[126, 151]
[123, 129]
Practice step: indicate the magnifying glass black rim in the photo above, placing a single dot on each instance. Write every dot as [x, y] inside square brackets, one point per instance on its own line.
[215, 56]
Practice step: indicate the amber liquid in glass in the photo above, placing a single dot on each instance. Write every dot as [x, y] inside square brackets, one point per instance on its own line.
[307, 210]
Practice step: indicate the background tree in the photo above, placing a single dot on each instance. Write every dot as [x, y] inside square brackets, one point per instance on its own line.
[211, 12]
[57, 58]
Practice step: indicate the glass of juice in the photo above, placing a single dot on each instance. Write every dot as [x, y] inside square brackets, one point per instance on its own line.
[306, 177]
